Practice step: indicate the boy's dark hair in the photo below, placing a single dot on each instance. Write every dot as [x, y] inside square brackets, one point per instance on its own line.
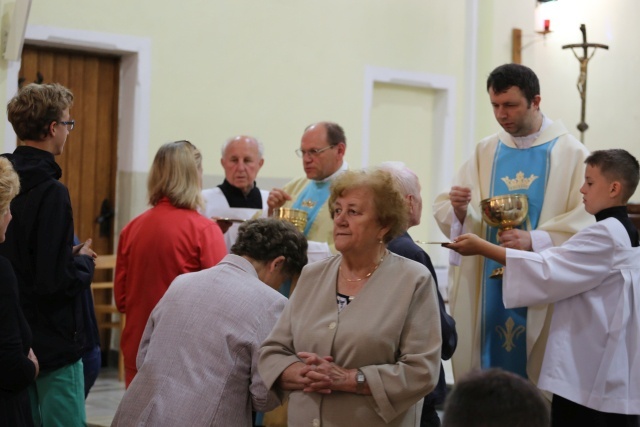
[507, 75]
[265, 239]
[496, 398]
[617, 165]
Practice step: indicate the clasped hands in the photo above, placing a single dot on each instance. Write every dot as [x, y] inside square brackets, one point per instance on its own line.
[317, 374]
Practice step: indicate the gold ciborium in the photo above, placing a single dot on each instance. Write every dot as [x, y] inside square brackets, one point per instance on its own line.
[295, 216]
[505, 212]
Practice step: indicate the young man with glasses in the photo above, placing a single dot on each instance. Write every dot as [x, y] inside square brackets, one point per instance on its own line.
[322, 150]
[52, 273]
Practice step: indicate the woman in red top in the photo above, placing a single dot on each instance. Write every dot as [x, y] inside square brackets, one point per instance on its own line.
[169, 239]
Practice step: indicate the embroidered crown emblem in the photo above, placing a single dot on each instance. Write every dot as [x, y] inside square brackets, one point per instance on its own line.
[308, 203]
[520, 182]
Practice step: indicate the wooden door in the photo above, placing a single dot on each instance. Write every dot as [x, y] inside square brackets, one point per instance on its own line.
[89, 160]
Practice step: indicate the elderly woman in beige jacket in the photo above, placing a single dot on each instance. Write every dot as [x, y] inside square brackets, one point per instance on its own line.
[359, 342]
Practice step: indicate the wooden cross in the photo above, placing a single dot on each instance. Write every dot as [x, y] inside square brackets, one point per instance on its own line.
[582, 78]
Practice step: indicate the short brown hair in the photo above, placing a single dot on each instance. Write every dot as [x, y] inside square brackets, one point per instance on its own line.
[617, 165]
[35, 106]
[175, 174]
[389, 203]
[9, 184]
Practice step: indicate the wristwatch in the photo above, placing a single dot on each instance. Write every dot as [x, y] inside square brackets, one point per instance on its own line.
[360, 380]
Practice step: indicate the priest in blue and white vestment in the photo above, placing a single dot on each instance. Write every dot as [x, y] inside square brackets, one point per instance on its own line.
[322, 149]
[534, 156]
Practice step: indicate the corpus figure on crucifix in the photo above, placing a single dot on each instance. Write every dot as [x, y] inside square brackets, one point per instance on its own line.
[582, 78]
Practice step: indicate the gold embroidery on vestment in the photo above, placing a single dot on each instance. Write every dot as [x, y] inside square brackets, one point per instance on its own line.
[509, 333]
[520, 182]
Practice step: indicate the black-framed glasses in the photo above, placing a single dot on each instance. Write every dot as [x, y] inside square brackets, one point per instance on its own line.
[69, 124]
[313, 153]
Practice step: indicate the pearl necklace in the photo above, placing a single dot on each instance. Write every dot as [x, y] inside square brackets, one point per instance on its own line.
[359, 279]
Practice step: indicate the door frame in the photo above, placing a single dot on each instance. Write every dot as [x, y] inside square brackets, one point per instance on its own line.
[134, 92]
[443, 134]
[134, 99]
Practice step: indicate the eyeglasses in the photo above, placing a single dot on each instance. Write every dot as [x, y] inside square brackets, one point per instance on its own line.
[313, 153]
[70, 124]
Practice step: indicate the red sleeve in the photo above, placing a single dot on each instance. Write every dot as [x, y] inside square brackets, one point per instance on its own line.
[120, 281]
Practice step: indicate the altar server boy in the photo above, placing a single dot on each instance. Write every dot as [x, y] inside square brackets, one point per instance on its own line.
[592, 360]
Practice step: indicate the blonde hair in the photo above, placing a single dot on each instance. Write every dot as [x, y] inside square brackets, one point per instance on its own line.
[9, 184]
[391, 209]
[175, 174]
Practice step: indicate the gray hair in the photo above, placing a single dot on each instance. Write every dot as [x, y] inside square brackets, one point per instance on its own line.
[265, 239]
[406, 179]
[230, 140]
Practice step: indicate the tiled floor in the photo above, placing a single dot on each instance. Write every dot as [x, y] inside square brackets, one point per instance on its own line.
[104, 398]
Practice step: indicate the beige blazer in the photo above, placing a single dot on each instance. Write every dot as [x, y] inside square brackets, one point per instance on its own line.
[391, 331]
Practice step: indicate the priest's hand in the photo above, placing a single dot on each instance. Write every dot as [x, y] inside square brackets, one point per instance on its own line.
[276, 199]
[460, 198]
[516, 239]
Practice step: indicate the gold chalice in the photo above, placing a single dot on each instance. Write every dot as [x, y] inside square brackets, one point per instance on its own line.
[505, 212]
[295, 216]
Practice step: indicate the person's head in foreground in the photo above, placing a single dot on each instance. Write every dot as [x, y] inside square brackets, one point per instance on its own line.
[276, 248]
[368, 211]
[495, 398]
[610, 179]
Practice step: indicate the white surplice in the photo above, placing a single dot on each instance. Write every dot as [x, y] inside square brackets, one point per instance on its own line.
[216, 204]
[593, 351]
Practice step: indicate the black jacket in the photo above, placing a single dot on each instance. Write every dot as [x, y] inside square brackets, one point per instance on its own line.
[39, 242]
[17, 372]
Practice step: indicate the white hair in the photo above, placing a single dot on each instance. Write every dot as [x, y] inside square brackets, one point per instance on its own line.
[233, 138]
[406, 179]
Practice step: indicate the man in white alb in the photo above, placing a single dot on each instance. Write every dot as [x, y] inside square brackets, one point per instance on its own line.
[238, 197]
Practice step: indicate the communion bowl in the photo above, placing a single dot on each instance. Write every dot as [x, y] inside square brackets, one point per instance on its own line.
[506, 212]
[295, 216]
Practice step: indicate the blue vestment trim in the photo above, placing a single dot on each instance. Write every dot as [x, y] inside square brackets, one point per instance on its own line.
[312, 198]
[503, 331]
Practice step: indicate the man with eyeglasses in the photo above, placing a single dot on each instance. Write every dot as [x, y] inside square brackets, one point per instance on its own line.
[52, 273]
[322, 150]
[238, 197]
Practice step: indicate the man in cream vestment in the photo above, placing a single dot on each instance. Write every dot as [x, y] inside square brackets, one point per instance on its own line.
[322, 150]
[534, 156]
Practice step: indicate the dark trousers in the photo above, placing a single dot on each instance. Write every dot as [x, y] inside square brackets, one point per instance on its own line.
[91, 362]
[429, 416]
[567, 413]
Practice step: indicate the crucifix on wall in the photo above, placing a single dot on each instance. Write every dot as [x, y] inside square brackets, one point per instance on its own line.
[582, 78]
